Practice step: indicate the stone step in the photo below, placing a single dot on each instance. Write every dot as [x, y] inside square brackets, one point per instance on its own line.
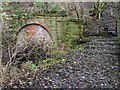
[108, 39]
[111, 32]
[104, 48]
[106, 18]
[114, 47]
[103, 43]
[112, 23]
[96, 51]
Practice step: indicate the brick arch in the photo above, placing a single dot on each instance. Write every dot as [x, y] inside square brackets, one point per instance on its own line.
[33, 27]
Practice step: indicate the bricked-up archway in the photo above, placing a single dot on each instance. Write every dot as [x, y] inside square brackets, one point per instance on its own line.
[33, 33]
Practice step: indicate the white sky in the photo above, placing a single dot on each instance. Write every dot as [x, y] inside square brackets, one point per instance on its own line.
[59, 0]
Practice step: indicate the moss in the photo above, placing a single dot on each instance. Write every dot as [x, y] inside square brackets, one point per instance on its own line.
[28, 66]
[118, 29]
[43, 65]
[119, 39]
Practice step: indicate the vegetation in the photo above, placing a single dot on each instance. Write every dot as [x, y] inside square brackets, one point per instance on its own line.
[118, 22]
[98, 9]
[69, 24]
[72, 33]
[16, 14]
[118, 29]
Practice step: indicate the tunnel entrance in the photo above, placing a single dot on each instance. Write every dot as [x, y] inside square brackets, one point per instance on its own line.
[33, 34]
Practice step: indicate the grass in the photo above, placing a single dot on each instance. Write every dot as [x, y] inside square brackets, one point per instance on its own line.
[118, 28]
[119, 39]
[42, 65]
[49, 62]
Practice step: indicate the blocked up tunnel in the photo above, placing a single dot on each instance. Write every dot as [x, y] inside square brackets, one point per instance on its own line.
[33, 33]
[34, 42]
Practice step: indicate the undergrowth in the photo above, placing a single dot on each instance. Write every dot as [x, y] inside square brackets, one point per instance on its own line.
[118, 29]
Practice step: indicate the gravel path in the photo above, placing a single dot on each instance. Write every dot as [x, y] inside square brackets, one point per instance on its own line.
[95, 66]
